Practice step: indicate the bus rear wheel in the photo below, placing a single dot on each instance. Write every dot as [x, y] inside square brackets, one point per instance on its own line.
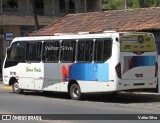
[15, 88]
[75, 92]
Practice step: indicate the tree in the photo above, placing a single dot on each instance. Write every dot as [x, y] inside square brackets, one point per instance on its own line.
[134, 4]
[119, 4]
[156, 3]
[34, 14]
[113, 4]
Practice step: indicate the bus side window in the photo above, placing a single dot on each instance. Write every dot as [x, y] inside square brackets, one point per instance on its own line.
[33, 51]
[99, 50]
[85, 51]
[51, 51]
[103, 50]
[68, 48]
[107, 49]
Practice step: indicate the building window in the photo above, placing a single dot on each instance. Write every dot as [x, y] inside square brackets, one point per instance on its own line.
[62, 6]
[103, 50]
[33, 52]
[51, 51]
[39, 6]
[67, 6]
[85, 51]
[68, 48]
[71, 6]
[10, 5]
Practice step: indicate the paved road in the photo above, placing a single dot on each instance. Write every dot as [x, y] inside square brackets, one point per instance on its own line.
[57, 103]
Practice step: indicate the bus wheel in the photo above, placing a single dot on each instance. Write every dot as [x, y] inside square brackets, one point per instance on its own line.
[15, 88]
[75, 92]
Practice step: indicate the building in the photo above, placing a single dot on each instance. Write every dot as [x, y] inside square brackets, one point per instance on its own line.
[16, 15]
[145, 20]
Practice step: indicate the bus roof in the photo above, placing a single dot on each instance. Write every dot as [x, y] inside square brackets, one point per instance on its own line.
[73, 36]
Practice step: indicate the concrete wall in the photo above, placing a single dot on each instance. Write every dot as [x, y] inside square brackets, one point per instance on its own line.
[56, 7]
[23, 9]
[48, 7]
[25, 19]
[17, 32]
[52, 7]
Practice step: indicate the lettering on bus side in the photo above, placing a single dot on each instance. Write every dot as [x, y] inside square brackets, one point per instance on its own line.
[12, 73]
[33, 69]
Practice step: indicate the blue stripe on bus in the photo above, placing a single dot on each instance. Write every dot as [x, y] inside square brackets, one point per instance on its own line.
[89, 71]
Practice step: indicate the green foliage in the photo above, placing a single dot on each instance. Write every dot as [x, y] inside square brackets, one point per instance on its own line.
[113, 4]
[133, 4]
[119, 4]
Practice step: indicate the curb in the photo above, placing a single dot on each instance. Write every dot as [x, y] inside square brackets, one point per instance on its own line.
[4, 87]
[141, 93]
[147, 93]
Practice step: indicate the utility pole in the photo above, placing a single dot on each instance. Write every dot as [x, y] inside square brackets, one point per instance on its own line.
[34, 14]
[76, 6]
[126, 4]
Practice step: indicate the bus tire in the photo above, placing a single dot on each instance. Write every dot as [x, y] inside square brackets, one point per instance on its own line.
[15, 88]
[75, 92]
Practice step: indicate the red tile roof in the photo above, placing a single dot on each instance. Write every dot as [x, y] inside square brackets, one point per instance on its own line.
[117, 20]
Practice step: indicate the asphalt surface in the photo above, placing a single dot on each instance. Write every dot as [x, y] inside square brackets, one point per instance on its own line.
[40, 103]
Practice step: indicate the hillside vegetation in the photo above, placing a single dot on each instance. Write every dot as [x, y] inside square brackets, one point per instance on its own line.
[130, 4]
